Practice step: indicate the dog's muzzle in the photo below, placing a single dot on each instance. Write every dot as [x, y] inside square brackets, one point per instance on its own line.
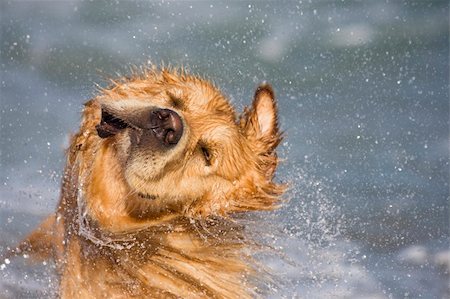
[159, 127]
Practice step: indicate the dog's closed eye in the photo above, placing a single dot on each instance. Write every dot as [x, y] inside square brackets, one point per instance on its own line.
[206, 154]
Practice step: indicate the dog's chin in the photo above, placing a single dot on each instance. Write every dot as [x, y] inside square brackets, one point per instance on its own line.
[141, 185]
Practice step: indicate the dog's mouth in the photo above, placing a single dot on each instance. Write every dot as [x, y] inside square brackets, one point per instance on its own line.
[110, 125]
[164, 125]
[147, 196]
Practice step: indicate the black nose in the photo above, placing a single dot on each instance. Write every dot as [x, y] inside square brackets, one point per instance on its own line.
[167, 126]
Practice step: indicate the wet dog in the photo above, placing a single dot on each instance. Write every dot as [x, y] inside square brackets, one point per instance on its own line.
[154, 178]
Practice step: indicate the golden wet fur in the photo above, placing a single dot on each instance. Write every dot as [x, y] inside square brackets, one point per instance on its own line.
[137, 222]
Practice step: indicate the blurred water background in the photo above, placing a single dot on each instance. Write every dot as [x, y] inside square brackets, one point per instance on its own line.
[363, 90]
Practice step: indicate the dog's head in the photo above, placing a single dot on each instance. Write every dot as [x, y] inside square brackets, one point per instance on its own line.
[167, 143]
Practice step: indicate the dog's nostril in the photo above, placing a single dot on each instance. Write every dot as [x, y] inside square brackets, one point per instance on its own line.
[173, 137]
[167, 126]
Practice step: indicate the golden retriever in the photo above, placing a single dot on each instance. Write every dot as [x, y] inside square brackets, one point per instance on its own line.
[155, 176]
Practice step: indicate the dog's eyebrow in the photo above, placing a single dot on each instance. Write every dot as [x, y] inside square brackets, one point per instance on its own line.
[177, 102]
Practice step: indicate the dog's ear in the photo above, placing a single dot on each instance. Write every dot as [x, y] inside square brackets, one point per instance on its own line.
[260, 122]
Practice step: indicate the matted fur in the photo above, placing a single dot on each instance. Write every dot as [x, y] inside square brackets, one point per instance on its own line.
[136, 222]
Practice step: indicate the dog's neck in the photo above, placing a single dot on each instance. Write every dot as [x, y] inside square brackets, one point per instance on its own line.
[87, 229]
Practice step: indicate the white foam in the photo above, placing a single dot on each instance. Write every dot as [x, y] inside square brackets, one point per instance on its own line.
[323, 272]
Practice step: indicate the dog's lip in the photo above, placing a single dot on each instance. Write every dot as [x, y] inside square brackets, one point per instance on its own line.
[147, 196]
[110, 125]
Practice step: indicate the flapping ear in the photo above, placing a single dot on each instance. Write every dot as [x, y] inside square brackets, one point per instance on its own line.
[260, 123]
